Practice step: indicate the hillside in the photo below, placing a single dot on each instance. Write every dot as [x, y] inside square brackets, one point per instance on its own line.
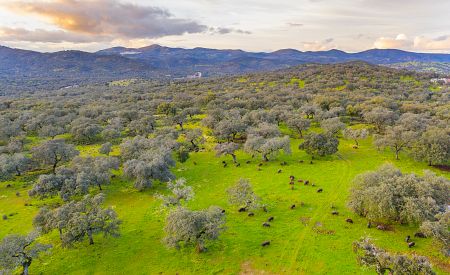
[29, 70]
[431, 67]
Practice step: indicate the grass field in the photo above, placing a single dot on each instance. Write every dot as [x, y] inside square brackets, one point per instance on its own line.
[306, 240]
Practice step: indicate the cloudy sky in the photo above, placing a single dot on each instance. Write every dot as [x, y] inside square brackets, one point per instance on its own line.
[256, 25]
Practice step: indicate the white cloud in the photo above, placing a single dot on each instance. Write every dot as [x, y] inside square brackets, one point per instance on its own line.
[401, 36]
[441, 43]
[323, 45]
[41, 35]
[418, 43]
[401, 41]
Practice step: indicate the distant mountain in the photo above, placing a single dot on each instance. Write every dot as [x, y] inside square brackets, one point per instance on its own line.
[29, 70]
[33, 70]
[179, 59]
[15, 62]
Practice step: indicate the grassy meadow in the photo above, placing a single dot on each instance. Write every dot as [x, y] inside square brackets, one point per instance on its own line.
[305, 240]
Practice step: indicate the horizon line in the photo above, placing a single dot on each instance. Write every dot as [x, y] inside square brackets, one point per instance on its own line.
[227, 49]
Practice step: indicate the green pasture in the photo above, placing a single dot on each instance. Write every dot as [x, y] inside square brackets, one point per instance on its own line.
[306, 240]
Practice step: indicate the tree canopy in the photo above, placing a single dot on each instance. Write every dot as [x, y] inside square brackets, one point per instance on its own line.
[196, 228]
[387, 195]
[319, 144]
[20, 250]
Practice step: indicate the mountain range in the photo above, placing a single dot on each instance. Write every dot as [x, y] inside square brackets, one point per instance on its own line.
[30, 69]
[179, 61]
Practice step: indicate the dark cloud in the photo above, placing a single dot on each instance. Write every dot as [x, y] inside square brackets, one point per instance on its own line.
[360, 36]
[223, 30]
[108, 18]
[295, 25]
[442, 38]
[242, 31]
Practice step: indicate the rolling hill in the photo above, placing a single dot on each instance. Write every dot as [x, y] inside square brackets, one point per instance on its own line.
[31, 70]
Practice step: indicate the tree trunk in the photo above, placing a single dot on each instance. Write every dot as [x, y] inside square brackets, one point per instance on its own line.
[91, 240]
[430, 163]
[356, 143]
[99, 187]
[396, 154]
[194, 145]
[60, 233]
[199, 248]
[26, 265]
[25, 269]
[54, 167]
[234, 158]
[265, 157]
[377, 128]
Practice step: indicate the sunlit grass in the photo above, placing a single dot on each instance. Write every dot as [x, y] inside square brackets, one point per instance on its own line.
[296, 246]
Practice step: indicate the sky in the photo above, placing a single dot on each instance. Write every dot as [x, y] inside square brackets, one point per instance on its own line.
[252, 25]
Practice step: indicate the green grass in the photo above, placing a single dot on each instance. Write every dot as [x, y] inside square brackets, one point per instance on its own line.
[300, 83]
[410, 79]
[435, 88]
[297, 247]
